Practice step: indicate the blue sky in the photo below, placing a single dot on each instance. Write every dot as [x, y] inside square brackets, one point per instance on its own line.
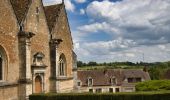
[119, 30]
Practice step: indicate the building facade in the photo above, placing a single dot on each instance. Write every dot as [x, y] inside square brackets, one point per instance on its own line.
[111, 80]
[36, 49]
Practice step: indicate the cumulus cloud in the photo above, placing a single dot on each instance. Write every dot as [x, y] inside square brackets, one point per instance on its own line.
[101, 52]
[68, 3]
[140, 20]
[82, 11]
[80, 1]
[136, 26]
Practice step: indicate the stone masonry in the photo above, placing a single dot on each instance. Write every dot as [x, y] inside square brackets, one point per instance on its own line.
[32, 40]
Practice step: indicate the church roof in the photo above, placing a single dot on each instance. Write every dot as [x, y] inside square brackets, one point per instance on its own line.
[20, 8]
[52, 13]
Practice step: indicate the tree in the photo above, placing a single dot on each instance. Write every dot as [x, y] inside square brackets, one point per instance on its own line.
[92, 63]
[79, 63]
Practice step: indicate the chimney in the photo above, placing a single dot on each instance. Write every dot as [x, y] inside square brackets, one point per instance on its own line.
[145, 69]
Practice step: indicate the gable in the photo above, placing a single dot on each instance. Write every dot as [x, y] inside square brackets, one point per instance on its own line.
[20, 8]
[52, 13]
[35, 20]
[8, 22]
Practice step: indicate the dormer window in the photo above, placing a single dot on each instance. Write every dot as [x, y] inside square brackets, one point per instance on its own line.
[130, 80]
[138, 79]
[113, 81]
[90, 81]
[134, 80]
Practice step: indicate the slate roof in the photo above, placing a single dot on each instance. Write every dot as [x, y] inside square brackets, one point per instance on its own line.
[52, 13]
[20, 8]
[102, 77]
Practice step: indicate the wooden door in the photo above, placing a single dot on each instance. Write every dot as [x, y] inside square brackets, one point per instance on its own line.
[38, 84]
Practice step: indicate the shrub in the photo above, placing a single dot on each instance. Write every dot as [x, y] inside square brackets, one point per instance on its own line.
[119, 96]
[153, 85]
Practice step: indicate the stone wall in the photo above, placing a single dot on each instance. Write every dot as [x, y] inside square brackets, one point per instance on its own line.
[9, 40]
[65, 86]
[62, 31]
[9, 93]
[36, 23]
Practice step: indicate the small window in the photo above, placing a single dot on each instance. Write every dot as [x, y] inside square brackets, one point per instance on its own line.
[117, 90]
[99, 90]
[78, 83]
[112, 81]
[111, 90]
[90, 82]
[130, 80]
[91, 90]
[138, 79]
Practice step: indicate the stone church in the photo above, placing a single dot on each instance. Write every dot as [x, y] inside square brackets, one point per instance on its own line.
[36, 49]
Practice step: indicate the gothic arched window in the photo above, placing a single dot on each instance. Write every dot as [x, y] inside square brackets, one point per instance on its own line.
[1, 68]
[3, 64]
[62, 65]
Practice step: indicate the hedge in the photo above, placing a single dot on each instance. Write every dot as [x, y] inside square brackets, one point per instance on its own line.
[119, 96]
[153, 85]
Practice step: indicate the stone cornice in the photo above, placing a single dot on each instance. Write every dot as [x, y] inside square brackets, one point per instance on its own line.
[26, 34]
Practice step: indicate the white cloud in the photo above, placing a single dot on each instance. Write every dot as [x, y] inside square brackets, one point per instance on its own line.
[109, 51]
[145, 21]
[137, 27]
[69, 5]
[82, 11]
[80, 1]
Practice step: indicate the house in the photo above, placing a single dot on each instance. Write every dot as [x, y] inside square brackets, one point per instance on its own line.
[36, 49]
[111, 80]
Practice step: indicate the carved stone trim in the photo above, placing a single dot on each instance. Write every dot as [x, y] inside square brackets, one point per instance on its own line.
[26, 34]
[56, 41]
[7, 84]
[23, 81]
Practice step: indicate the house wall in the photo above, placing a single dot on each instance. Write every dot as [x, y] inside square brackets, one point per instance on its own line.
[105, 89]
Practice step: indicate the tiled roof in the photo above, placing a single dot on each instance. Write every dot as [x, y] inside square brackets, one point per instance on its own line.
[52, 13]
[102, 77]
[20, 8]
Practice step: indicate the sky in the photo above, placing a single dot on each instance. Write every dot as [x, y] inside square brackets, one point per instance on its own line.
[119, 30]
